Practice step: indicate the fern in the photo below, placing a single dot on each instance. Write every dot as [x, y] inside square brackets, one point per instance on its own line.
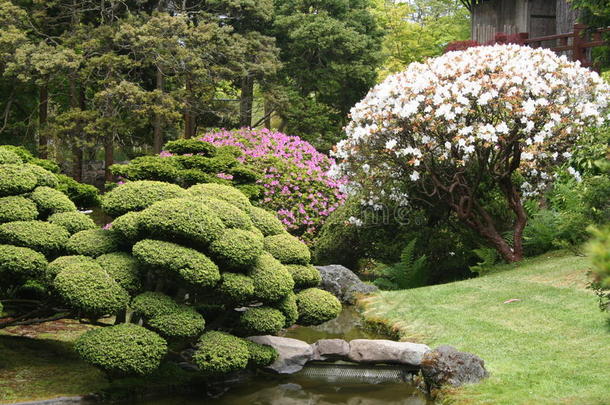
[488, 257]
[408, 273]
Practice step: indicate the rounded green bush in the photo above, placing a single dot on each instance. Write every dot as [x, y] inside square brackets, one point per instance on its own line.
[46, 164]
[89, 289]
[92, 242]
[122, 349]
[237, 248]
[44, 237]
[153, 168]
[153, 304]
[44, 178]
[272, 281]
[137, 195]
[24, 154]
[21, 262]
[72, 222]
[288, 307]
[9, 157]
[193, 266]
[260, 355]
[185, 322]
[238, 288]
[127, 227]
[222, 192]
[230, 215]
[261, 321]
[83, 195]
[221, 353]
[287, 249]
[17, 208]
[317, 306]
[181, 219]
[16, 179]
[194, 146]
[61, 262]
[50, 201]
[304, 276]
[266, 221]
[123, 268]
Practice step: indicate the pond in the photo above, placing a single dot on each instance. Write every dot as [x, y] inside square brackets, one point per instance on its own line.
[266, 389]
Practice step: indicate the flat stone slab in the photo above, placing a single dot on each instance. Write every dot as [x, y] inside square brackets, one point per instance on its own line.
[325, 349]
[292, 353]
[387, 351]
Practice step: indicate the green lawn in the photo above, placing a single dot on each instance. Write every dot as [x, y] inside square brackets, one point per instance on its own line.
[551, 347]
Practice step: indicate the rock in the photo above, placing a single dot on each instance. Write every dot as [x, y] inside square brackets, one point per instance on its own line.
[447, 366]
[343, 283]
[292, 353]
[386, 351]
[325, 349]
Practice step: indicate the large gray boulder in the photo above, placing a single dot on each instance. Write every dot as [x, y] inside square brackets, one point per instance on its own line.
[292, 353]
[447, 366]
[387, 351]
[343, 283]
[325, 349]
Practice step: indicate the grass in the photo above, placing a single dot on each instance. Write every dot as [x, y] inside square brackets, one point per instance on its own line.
[550, 347]
[38, 363]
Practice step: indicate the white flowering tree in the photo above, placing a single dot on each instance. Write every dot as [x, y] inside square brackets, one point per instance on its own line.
[442, 132]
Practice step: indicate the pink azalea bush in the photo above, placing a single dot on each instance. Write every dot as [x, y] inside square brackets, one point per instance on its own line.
[296, 177]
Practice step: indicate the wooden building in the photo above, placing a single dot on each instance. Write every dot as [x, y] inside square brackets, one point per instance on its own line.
[536, 17]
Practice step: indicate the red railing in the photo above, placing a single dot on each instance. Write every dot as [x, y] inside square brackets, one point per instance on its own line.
[576, 42]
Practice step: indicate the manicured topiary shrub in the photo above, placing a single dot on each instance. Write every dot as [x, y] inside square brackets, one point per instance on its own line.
[127, 227]
[152, 304]
[44, 178]
[193, 266]
[222, 192]
[260, 355]
[316, 306]
[193, 146]
[44, 237]
[92, 242]
[17, 208]
[237, 248]
[122, 349]
[123, 268]
[185, 322]
[304, 276]
[14, 179]
[137, 195]
[8, 156]
[184, 268]
[265, 221]
[21, 262]
[72, 222]
[83, 195]
[221, 353]
[262, 321]
[87, 288]
[50, 201]
[64, 261]
[237, 288]
[272, 280]
[287, 249]
[288, 307]
[185, 220]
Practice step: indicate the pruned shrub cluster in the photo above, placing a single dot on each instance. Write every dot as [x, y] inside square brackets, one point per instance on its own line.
[198, 267]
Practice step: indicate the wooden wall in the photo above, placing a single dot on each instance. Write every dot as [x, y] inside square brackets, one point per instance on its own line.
[538, 17]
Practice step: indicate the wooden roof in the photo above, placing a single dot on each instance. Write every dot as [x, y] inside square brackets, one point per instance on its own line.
[469, 3]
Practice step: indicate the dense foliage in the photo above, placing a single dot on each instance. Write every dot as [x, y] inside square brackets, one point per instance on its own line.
[497, 118]
[294, 175]
[186, 263]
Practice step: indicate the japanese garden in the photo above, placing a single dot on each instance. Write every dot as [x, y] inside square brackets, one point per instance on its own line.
[304, 202]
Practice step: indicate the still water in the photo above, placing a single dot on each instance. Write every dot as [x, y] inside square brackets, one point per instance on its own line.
[267, 389]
